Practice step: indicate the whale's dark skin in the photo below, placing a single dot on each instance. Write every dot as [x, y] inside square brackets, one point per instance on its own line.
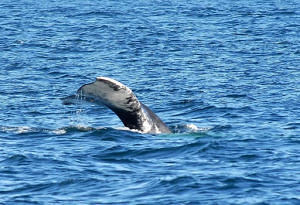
[122, 101]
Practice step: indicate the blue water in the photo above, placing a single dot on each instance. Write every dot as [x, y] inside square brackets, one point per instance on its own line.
[223, 75]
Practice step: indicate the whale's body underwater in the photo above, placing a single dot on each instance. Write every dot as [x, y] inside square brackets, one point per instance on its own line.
[123, 102]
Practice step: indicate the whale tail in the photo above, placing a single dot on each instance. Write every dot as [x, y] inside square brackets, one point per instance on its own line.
[122, 101]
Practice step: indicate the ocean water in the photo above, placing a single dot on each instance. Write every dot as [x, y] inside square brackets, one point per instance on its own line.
[223, 75]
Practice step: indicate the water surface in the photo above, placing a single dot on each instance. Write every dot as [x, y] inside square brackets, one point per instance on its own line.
[224, 76]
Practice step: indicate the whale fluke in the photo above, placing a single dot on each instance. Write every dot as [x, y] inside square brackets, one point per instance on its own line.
[123, 102]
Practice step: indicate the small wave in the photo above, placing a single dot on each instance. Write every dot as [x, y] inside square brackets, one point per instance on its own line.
[292, 126]
[178, 180]
[50, 186]
[236, 95]
[195, 110]
[221, 128]
[32, 130]
[194, 127]
[96, 13]
[17, 130]
[78, 128]
[190, 128]
[114, 134]
[238, 182]
[17, 159]
[187, 128]
[120, 153]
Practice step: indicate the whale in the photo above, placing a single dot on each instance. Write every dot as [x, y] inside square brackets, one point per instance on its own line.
[123, 102]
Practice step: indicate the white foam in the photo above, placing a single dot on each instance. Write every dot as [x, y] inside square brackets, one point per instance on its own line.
[194, 128]
[18, 130]
[128, 129]
[59, 131]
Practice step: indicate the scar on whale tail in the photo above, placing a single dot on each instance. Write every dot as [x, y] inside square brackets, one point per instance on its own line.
[123, 102]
